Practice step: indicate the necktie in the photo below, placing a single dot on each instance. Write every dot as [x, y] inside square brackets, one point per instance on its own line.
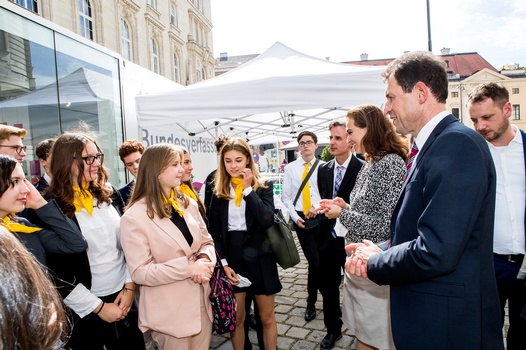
[238, 185]
[83, 199]
[305, 193]
[173, 202]
[412, 155]
[337, 183]
[338, 180]
[16, 227]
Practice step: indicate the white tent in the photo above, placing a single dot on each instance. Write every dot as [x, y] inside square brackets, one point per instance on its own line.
[270, 98]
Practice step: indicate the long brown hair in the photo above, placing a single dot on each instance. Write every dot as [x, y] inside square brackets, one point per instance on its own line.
[155, 159]
[202, 208]
[222, 177]
[381, 137]
[67, 151]
[28, 300]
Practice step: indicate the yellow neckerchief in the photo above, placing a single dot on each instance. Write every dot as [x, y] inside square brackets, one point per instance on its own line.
[16, 227]
[83, 199]
[238, 185]
[173, 202]
[184, 188]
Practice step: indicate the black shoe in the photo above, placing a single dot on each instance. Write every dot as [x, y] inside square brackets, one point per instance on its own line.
[310, 313]
[329, 340]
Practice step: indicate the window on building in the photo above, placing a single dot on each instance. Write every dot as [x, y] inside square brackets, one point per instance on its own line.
[198, 76]
[125, 40]
[176, 69]
[153, 3]
[173, 14]
[454, 94]
[28, 4]
[155, 56]
[447, 63]
[455, 112]
[86, 19]
[515, 90]
[516, 112]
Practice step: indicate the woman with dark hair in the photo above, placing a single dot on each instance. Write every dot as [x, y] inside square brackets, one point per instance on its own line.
[95, 285]
[60, 235]
[186, 186]
[367, 217]
[170, 254]
[241, 210]
[31, 312]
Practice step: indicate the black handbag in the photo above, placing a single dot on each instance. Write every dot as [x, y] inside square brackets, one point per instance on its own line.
[282, 242]
[223, 300]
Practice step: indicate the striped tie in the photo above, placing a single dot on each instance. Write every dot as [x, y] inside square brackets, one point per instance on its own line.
[412, 155]
[337, 182]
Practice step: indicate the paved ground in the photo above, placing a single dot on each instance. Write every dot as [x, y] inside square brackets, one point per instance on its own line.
[293, 332]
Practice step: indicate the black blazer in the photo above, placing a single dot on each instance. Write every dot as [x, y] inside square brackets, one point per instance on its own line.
[326, 185]
[259, 216]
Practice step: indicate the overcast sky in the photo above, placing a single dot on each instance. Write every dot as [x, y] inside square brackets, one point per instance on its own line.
[343, 29]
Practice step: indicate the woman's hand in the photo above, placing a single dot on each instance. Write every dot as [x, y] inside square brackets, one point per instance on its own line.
[201, 270]
[231, 275]
[332, 211]
[247, 178]
[125, 298]
[111, 312]
[34, 199]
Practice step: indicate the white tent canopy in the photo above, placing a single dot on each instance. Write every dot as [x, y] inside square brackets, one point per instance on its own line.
[270, 98]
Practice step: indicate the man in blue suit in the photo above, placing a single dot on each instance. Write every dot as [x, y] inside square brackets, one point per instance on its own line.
[439, 260]
[490, 110]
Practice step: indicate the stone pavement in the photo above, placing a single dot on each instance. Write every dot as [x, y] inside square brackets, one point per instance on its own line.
[293, 331]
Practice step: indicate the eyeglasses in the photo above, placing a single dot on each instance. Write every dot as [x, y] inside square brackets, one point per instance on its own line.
[17, 148]
[91, 159]
[306, 143]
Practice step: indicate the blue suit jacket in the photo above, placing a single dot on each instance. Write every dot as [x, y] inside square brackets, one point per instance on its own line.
[440, 264]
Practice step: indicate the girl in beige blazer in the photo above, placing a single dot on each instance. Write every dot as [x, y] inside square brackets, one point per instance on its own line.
[169, 252]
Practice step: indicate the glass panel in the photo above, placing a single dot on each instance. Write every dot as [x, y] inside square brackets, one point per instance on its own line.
[28, 88]
[89, 93]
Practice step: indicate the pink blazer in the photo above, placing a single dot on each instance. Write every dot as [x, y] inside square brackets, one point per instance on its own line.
[158, 257]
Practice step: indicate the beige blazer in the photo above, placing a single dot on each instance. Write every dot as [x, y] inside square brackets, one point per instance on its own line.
[158, 258]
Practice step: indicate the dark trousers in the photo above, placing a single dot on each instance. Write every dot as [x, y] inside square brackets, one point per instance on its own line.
[332, 260]
[309, 244]
[512, 290]
[92, 333]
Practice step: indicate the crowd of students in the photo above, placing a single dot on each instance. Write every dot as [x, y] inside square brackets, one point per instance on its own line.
[106, 268]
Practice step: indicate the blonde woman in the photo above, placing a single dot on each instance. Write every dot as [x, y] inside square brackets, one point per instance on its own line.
[241, 210]
[169, 253]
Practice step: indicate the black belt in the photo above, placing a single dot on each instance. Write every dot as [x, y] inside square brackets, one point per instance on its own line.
[515, 258]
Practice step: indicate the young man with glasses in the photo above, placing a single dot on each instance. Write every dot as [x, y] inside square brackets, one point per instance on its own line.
[302, 211]
[11, 142]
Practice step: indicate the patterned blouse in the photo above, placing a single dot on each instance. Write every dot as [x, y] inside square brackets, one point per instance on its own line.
[373, 199]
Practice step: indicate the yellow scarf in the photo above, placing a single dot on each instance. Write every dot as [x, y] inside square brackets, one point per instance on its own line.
[184, 188]
[16, 227]
[83, 199]
[238, 185]
[173, 202]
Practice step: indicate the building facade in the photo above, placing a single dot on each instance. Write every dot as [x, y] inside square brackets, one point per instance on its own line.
[172, 38]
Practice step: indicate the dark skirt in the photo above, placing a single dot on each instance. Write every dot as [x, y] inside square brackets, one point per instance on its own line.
[260, 268]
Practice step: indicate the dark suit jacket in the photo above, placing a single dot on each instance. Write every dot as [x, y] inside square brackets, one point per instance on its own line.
[259, 216]
[440, 264]
[326, 187]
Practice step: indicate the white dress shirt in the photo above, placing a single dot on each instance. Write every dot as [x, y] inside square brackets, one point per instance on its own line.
[292, 179]
[106, 258]
[511, 197]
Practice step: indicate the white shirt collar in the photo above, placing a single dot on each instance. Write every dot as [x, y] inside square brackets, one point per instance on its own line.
[423, 135]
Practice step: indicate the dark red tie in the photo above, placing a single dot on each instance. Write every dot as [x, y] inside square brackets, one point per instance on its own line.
[412, 155]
